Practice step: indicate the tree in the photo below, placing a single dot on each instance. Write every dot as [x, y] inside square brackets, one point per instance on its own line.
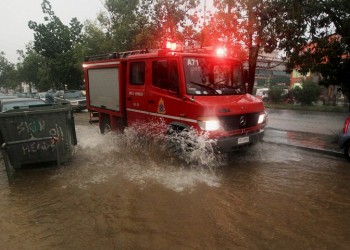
[8, 73]
[245, 25]
[120, 28]
[95, 39]
[121, 22]
[309, 93]
[57, 43]
[140, 24]
[316, 38]
[30, 69]
[275, 94]
[174, 20]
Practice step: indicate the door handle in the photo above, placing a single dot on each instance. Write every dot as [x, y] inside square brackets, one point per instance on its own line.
[150, 101]
[129, 98]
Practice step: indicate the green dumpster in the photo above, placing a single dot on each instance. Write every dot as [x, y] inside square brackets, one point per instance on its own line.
[39, 134]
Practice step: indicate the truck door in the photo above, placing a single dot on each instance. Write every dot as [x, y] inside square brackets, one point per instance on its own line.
[163, 97]
[135, 91]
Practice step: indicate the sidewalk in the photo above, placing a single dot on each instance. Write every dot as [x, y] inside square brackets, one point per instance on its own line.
[326, 144]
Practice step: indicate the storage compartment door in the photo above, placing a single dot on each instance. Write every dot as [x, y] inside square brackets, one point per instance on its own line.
[104, 88]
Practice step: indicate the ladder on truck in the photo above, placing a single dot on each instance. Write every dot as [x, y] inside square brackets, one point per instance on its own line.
[115, 55]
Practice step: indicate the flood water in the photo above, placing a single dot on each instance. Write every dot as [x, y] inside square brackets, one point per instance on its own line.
[116, 193]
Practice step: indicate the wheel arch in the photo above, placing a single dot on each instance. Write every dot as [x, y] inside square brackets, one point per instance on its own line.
[177, 127]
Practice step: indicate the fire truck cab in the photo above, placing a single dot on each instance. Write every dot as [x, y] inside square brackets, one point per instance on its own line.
[185, 90]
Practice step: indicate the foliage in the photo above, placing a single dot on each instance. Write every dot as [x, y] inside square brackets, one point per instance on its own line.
[275, 94]
[309, 93]
[130, 25]
[56, 44]
[172, 19]
[31, 68]
[245, 25]
[119, 22]
[301, 28]
[316, 38]
[8, 73]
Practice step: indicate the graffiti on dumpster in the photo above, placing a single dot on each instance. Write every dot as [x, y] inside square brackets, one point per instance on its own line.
[35, 129]
[31, 128]
[34, 147]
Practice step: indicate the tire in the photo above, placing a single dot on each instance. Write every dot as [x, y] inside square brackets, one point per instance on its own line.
[105, 125]
[176, 135]
[347, 150]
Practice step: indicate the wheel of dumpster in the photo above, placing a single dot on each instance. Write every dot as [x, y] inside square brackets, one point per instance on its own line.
[105, 125]
[347, 150]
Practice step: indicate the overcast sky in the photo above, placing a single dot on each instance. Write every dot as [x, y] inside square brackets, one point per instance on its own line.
[15, 15]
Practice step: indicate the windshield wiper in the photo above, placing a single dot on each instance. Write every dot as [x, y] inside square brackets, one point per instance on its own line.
[237, 89]
[204, 86]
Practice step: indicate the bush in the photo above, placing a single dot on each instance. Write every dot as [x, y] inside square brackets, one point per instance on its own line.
[275, 94]
[309, 93]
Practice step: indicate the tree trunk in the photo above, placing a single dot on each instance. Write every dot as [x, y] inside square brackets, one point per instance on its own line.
[253, 57]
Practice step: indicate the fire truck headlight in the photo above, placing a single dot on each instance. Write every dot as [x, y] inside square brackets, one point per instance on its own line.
[262, 118]
[208, 124]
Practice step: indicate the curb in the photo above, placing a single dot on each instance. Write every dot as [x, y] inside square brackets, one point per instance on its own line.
[316, 150]
[275, 140]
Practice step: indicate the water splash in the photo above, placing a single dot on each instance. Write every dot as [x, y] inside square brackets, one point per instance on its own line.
[195, 149]
[142, 157]
[90, 138]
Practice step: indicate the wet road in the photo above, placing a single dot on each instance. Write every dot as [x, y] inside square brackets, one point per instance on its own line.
[120, 193]
[327, 123]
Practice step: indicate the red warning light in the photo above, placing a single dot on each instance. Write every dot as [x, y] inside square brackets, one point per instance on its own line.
[170, 45]
[220, 51]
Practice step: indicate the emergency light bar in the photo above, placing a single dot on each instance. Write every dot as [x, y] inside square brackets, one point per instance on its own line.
[170, 45]
[220, 51]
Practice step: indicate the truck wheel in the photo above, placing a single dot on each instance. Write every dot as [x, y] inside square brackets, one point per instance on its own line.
[105, 125]
[178, 141]
[347, 150]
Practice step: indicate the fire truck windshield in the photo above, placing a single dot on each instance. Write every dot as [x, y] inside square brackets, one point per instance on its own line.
[213, 76]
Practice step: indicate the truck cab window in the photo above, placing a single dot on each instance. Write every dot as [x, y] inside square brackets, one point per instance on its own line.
[137, 73]
[165, 75]
[212, 76]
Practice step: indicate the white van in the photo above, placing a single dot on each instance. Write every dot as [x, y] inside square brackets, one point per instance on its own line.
[263, 93]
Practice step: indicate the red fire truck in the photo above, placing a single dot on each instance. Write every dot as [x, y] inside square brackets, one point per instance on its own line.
[187, 89]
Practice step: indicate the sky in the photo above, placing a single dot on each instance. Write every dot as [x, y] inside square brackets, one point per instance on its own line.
[15, 15]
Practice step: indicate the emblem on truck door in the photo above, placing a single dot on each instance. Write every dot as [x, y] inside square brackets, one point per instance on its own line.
[161, 106]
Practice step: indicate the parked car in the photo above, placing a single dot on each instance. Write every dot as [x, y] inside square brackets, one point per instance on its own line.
[263, 94]
[76, 98]
[18, 103]
[26, 95]
[4, 97]
[41, 95]
[344, 138]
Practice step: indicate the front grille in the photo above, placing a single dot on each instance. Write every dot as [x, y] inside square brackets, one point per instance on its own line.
[241, 121]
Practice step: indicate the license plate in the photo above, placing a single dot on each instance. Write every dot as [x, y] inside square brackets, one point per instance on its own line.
[242, 140]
